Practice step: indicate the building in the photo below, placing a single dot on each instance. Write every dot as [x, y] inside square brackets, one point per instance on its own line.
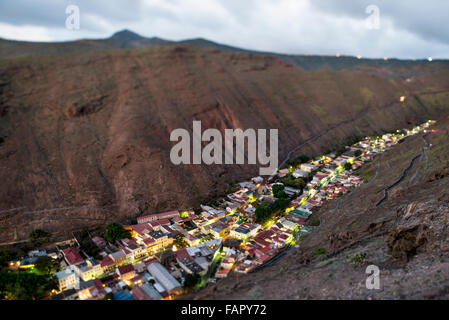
[99, 242]
[309, 167]
[119, 257]
[67, 279]
[88, 270]
[164, 278]
[245, 230]
[283, 172]
[158, 216]
[292, 192]
[301, 174]
[72, 256]
[126, 272]
[107, 264]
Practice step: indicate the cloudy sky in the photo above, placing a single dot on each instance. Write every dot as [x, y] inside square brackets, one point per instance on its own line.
[403, 29]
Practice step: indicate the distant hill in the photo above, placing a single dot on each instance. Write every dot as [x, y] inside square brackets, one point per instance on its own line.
[128, 39]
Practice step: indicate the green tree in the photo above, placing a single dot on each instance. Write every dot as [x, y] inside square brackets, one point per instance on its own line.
[192, 280]
[180, 241]
[115, 231]
[298, 160]
[277, 188]
[46, 265]
[6, 256]
[25, 285]
[348, 166]
[296, 183]
[280, 204]
[109, 296]
[263, 213]
[38, 234]
[358, 153]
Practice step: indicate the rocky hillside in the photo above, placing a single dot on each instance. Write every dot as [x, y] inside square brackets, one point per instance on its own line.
[406, 236]
[84, 138]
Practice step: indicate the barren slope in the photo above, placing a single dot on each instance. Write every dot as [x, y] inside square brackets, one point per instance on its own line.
[85, 137]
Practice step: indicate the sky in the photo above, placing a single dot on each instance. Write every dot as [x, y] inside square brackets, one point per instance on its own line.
[407, 29]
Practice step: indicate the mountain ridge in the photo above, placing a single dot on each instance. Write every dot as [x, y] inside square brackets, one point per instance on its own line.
[127, 39]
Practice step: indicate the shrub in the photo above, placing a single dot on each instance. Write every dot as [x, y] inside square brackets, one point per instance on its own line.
[115, 231]
[319, 251]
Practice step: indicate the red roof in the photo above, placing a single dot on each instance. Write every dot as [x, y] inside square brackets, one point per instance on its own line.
[72, 255]
[150, 261]
[106, 262]
[126, 269]
[139, 294]
[148, 241]
[142, 228]
[98, 284]
[182, 254]
[136, 278]
[159, 222]
[158, 216]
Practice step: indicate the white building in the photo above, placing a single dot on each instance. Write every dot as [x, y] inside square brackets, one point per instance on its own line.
[67, 279]
[300, 173]
[164, 277]
[309, 167]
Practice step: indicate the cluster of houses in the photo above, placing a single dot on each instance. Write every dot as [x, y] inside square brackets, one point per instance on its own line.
[152, 265]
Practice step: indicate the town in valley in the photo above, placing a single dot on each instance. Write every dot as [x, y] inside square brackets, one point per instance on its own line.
[164, 255]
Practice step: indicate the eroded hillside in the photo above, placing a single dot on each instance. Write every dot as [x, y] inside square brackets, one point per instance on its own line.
[85, 137]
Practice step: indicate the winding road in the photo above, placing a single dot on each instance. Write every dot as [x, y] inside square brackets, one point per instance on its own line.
[405, 173]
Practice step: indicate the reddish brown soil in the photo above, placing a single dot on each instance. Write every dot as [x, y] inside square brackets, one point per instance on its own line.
[85, 137]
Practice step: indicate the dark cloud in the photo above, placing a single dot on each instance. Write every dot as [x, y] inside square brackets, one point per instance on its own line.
[408, 29]
[427, 19]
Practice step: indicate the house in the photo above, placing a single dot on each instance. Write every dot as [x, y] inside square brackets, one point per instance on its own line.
[245, 230]
[257, 180]
[287, 224]
[140, 294]
[89, 269]
[157, 240]
[309, 167]
[119, 257]
[70, 294]
[72, 256]
[158, 216]
[151, 292]
[283, 172]
[93, 290]
[126, 273]
[301, 174]
[67, 279]
[171, 285]
[140, 267]
[292, 192]
[191, 266]
[246, 185]
[99, 242]
[222, 272]
[107, 264]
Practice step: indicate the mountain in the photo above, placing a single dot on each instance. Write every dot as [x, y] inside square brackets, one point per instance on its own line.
[405, 237]
[85, 137]
[129, 39]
